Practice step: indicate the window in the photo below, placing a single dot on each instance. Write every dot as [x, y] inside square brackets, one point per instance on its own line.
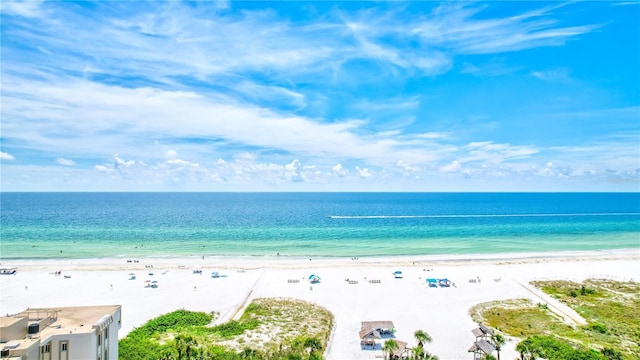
[45, 352]
[106, 332]
[99, 339]
[64, 350]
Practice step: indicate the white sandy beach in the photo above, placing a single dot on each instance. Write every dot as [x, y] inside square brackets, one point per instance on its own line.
[408, 302]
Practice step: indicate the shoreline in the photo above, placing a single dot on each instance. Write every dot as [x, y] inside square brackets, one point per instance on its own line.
[284, 261]
[408, 302]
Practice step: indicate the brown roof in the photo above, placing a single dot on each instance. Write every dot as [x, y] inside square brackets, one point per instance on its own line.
[370, 334]
[377, 325]
[485, 346]
[402, 346]
[485, 329]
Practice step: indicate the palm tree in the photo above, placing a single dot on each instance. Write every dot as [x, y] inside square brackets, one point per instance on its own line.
[390, 346]
[184, 344]
[422, 337]
[525, 352]
[418, 353]
[498, 341]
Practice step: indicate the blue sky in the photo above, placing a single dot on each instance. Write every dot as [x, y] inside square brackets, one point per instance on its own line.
[320, 96]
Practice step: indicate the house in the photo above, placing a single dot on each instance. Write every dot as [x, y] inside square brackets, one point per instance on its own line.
[483, 345]
[65, 333]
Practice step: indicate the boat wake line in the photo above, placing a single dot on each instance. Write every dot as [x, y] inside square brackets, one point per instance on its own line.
[473, 216]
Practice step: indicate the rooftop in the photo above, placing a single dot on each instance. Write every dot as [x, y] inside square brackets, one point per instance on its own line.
[66, 320]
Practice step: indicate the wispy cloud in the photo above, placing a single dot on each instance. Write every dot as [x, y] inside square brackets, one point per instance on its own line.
[456, 25]
[25, 8]
[551, 75]
[65, 162]
[496, 153]
[226, 93]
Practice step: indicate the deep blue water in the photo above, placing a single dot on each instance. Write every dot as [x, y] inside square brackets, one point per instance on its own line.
[87, 225]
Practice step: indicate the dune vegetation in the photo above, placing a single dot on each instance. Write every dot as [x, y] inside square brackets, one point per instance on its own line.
[611, 308]
[268, 329]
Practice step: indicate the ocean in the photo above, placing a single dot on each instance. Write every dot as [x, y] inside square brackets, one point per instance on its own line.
[139, 225]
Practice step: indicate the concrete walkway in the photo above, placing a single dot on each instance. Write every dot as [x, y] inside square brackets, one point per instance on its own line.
[569, 315]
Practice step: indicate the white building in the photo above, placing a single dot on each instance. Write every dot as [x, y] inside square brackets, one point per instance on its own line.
[67, 333]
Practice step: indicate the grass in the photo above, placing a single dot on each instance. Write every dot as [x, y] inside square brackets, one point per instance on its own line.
[612, 310]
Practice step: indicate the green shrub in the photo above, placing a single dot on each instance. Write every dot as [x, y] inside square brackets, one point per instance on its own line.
[612, 354]
[599, 328]
[548, 347]
[234, 328]
[586, 291]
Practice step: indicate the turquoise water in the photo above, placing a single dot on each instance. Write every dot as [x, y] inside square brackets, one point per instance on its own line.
[90, 225]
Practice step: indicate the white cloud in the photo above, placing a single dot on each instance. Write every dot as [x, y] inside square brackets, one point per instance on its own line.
[453, 167]
[433, 135]
[272, 95]
[245, 156]
[407, 167]
[182, 163]
[6, 156]
[488, 151]
[339, 170]
[171, 154]
[145, 112]
[293, 171]
[363, 172]
[551, 75]
[26, 8]
[117, 161]
[65, 162]
[455, 25]
[256, 88]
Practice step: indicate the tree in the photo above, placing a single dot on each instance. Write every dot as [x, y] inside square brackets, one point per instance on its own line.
[418, 353]
[184, 344]
[422, 337]
[488, 357]
[498, 340]
[389, 347]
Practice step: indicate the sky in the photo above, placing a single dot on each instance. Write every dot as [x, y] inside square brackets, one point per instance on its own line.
[320, 96]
